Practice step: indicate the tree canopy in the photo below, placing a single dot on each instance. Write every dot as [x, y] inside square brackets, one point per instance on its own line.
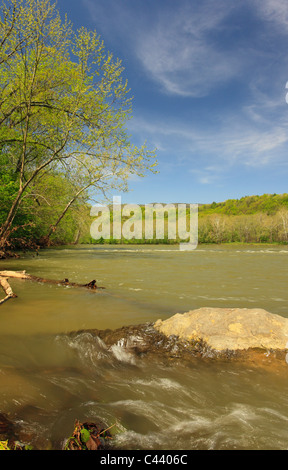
[64, 106]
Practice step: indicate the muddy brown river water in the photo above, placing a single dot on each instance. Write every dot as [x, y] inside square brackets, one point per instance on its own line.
[49, 378]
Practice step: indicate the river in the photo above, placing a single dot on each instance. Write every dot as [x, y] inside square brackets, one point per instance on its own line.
[48, 378]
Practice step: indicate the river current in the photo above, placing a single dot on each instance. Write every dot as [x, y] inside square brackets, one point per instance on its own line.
[48, 378]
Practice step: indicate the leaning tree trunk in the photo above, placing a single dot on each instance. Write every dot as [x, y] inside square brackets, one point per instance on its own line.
[77, 238]
[53, 227]
[6, 226]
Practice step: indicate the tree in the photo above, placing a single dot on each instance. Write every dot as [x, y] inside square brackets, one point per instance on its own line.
[63, 105]
[14, 37]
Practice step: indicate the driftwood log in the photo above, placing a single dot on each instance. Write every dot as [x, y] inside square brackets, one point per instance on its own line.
[7, 289]
[5, 275]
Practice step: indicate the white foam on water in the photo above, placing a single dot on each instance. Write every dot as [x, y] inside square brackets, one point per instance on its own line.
[161, 383]
[89, 348]
[237, 426]
[121, 354]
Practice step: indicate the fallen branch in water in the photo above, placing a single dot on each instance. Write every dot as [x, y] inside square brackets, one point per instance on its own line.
[7, 289]
[4, 275]
[17, 274]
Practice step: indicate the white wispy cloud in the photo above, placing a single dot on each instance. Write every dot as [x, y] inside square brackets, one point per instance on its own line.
[173, 46]
[179, 47]
[274, 11]
[179, 54]
[182, 49]
[237, 142]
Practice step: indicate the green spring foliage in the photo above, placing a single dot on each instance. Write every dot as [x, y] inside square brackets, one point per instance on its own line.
[251, 219]
[64, 107]
[268, 204]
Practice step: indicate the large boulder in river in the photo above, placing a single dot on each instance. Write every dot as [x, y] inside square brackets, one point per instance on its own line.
[231, 329]
[251, 336]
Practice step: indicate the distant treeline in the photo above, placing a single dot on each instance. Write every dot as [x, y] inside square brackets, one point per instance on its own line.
[251, 219]
[268, 204]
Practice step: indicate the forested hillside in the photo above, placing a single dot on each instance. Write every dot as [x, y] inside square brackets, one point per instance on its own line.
[267, 203]
[251, 219]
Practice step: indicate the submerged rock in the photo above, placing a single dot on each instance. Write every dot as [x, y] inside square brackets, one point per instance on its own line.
[231, 329]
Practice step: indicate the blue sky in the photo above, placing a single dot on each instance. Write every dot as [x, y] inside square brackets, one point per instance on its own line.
[209, 84]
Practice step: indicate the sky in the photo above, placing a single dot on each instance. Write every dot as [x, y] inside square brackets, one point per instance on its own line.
[208, 80]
